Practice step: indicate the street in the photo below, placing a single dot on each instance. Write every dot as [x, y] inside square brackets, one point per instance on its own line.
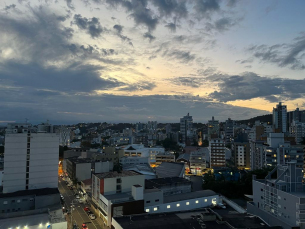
[79, 216]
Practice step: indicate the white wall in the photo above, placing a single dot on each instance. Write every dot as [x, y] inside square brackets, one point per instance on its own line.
[83, 171]
[192, 204]
[126, 184]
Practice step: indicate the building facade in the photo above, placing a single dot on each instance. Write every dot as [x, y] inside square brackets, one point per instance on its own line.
[217, 153]
[186, 126]
[279, 117]
[31, 159]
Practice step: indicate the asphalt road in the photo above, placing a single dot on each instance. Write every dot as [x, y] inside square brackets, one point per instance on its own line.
[78, 214]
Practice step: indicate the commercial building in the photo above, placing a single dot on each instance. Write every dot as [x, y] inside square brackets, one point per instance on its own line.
[139, 150]
[64, 135]
[297, 130]
[31, 159]
[217, 153]
[79, 169]
[164, 157]
[109, 154]
[155, 202]
[280, 201]
[118, 194]
[169, 185]
[197, 162]
[279, 118]
[186, 126]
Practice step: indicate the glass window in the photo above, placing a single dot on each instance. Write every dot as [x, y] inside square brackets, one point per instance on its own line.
[197, 201]
[147, 210]
[187, 203]
[178, 205]
[155, 208]
[168, 206]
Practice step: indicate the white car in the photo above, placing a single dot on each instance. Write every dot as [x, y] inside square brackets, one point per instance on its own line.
[77, 196]
[92, 216]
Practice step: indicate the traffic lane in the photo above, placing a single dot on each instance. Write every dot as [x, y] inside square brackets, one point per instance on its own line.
[78, 214]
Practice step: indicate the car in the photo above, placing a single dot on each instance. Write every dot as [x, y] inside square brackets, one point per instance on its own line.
[86, 209]
[92, 216]
[62, 197]
[84, 226]
[89, 212]
[75, 226]
[77, 196]
[70, 187]
[221, 205]
[66, 182]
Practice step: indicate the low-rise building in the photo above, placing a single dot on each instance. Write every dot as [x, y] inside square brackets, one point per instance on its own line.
[170, 169]
[164, 157]
[197, 162]
[118, 194]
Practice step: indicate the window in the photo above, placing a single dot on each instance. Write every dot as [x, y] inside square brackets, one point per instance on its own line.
[147, 209]
[13, 201]
[148, 201]
[168, 206]
[196, 201]
[205, 200]
[5, 202]
[18, 201]
[178, 205]
[156, 208]
[187, 203]
[157, 200]
[31, 199]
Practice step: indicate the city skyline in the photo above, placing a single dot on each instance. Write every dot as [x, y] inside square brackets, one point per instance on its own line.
[100, 60]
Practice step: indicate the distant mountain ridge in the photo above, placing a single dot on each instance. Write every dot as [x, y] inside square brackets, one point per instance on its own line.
[263, 118]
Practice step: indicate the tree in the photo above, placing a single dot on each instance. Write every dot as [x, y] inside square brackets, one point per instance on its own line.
[118, 167]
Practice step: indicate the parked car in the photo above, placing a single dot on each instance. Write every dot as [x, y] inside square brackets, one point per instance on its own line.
[86, 209]
[92, 216]
[221, 205]
[70, 187]
[84, 226]
[89, 212]
[76, 196]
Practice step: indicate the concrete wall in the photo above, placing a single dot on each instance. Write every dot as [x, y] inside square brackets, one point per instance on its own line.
[103, 167]
[184, 205]
[12, 204]
[268, 218]
[43, 161]
[115, 224]
[126, 183]
[151, 197]
[83, 171]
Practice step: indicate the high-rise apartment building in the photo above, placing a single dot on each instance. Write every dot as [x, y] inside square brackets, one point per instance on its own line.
[213, 128]
[279, 118]
[229, 130]
[186, 126]
[217, 152]
[31, 158]
[241, 148]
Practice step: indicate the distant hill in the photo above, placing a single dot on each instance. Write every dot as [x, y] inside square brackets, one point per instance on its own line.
[262, 118]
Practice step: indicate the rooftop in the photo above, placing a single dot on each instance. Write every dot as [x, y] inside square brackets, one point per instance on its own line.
[140, 168]
[21, 222]
[185, 156]
[35, 192]
[170, 169]
[166, 221]
[160, 182]
[188, 196]
[124, 173]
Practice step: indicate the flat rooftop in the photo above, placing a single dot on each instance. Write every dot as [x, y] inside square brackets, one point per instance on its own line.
[124, 173]
[33, 192]
[188, 196]
[21, 222]
[166, 181]
[166, 221]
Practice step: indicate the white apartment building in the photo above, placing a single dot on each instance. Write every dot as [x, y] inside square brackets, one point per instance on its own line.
[197, 162]
[31, 159]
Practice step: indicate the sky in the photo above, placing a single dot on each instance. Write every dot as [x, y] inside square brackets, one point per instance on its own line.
[72, 61]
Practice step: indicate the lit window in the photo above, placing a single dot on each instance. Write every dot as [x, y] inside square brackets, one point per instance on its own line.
[147, 210]
[197, 201]
[205, 200]
[187, 203]
[178, 205]
[156, 208]
[168, 206]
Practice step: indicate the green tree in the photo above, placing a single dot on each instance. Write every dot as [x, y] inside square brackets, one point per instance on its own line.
[118, 167]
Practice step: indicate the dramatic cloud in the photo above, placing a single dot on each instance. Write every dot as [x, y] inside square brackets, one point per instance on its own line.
[91, 26]
[171, 8]
[284, 55]
[141, 86]
[119, 29]
[149, 37]
[9, 7]
[251, 85]
[181, 56]
[194, 82]
[171, 26]
[205, 8]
